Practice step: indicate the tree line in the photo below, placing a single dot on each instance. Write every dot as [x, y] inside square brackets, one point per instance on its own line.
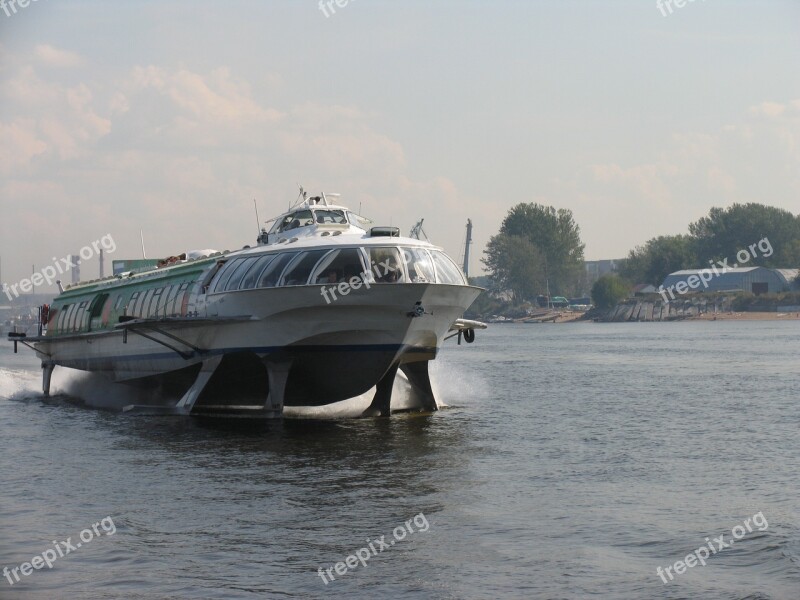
[716, 237]
[539, 247]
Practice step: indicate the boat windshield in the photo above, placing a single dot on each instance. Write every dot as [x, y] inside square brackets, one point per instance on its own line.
[324, 217]
[300, 218]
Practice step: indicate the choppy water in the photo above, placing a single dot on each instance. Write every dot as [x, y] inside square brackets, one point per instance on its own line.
[575, 460]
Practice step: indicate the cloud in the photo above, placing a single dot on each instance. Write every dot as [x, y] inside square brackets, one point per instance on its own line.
[768, 109]
[159, 146]
[20, 144]
[49, 56]
[649, 181]
[213, 97]
[52, 121]
[754, 159]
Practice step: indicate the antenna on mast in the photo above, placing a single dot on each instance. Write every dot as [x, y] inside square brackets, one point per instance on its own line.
[141, 235]
[301, 197]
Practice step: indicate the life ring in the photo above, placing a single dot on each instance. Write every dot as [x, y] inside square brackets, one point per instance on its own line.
[45, 314]
[469, 335]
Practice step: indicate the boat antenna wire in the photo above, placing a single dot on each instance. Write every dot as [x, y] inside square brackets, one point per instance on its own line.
[258, 221]
[141, 235]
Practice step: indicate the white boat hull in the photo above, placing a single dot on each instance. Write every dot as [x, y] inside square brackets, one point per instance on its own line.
[286, 342]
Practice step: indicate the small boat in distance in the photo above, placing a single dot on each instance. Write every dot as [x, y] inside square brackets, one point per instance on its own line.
[323, 309]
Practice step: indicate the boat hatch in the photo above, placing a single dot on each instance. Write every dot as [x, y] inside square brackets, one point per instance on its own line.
[384, 232]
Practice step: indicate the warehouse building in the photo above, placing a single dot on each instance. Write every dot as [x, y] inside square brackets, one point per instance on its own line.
[756, 280]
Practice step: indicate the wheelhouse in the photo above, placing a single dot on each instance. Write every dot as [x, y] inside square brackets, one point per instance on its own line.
[314, 216]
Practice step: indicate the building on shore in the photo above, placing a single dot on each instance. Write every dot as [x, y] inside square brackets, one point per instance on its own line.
[597, 268]
[755, 280]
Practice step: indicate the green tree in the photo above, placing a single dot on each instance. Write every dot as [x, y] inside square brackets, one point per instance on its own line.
[724, 232]
[515, 265]
[556, 236]
[608, 290]
[658, 258]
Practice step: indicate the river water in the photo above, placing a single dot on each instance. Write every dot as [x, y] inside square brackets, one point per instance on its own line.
[573, 461]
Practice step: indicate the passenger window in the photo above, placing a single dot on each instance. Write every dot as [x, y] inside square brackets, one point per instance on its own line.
[270, 276]
[386, 264]
[63, 319]
[68, 318]
[161, 307]
[339, 265]
[83, 321]
[131, 303]
[152, 308]
[98, 303]
[225, 273]
[183, 294]
[77, 316]
[238, 274]
[251, 278]
[144, 302]
[420, 266]
[300, 269]
[136, 308]
[446, 270]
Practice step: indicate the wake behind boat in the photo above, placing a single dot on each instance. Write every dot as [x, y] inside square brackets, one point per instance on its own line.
[323, 309]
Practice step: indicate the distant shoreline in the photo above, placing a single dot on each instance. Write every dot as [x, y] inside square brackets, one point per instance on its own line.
[570, 317]
[746, 316]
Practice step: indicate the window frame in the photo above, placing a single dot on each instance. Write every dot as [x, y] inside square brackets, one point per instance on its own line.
[131, 302]
[443, 256]
[152, 306]
[62, 318]
[291, 254]
[225, 272]
[295, 262]
[412, 250]
[257, 270]
[245, 263]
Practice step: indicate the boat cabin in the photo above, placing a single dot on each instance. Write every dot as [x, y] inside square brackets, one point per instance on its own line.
[315, 216]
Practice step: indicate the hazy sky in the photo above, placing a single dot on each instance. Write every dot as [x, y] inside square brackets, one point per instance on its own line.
[171, 116]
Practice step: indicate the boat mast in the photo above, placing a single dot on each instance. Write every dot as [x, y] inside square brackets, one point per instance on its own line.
[417, 230]
[466, 247]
